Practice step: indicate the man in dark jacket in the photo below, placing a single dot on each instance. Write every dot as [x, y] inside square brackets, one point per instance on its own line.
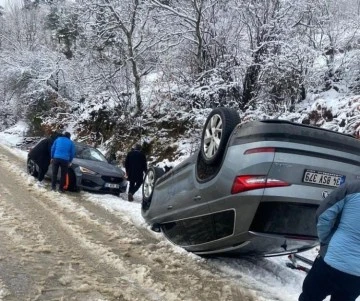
[41, 155]
[336, 270]
[62, 154]
[135, 166]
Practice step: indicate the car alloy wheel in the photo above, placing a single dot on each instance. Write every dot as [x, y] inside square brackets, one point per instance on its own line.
[149, 182]
[212, 137]
[152, 174]
[216, 132]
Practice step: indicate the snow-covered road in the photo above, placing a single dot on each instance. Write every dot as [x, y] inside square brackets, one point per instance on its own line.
[83, 246]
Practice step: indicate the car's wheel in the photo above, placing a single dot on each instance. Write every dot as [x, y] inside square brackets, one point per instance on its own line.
[72, 181]
[151, 176]
[31, 168]
[217, 130]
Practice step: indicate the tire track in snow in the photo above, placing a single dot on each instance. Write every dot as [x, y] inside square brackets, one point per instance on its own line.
[160, 265]
[153, 268]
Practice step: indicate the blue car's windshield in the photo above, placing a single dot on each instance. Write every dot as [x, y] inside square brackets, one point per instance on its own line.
[89, 153]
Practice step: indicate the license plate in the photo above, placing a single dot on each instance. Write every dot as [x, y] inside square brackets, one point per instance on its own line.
[110, 185]
[323, 178]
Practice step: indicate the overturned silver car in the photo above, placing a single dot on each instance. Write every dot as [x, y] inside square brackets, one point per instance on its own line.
[252, 188]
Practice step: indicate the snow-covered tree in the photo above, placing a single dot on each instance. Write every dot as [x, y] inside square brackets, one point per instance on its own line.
[121, 58]
[194, 23]
[62, 20]
[332, 30]
[123, 28]
[273, 54]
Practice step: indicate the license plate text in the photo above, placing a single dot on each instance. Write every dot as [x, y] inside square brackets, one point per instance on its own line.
[323, 178]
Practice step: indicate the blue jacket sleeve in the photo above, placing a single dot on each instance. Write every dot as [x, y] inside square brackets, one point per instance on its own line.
[327, 221]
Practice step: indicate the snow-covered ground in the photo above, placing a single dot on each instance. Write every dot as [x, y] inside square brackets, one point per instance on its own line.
[270, 276]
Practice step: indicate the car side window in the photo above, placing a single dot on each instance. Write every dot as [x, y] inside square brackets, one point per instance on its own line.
[78, 152]
[85, 154]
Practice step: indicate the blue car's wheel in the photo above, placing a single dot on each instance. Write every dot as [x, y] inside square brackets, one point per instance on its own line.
[217, 130]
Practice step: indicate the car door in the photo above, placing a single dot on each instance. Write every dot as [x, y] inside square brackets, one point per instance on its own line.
[185, 199]
[188, 222]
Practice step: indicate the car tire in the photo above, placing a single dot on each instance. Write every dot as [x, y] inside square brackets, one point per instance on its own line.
[31, 168]
[217, 130]
[72, 182]
[148, 186]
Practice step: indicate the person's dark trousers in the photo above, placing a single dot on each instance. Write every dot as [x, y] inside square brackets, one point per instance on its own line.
[42, 171]
[134, 186]
[64, 166]
[323, 281]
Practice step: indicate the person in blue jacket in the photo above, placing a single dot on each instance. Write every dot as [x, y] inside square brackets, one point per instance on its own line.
[62, 154]
[336, 270]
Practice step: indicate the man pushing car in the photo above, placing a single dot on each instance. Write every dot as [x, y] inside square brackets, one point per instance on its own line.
[41, 154]
[62, 154]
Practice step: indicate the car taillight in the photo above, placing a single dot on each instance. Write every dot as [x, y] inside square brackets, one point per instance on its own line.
[260, 150]
[251, 182]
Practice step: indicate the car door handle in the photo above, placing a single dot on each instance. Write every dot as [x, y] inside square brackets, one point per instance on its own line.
[197, 198]
[169, 207]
